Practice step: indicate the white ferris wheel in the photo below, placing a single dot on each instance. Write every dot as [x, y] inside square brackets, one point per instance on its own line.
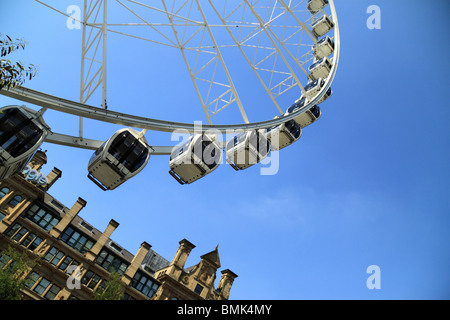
[288, 47]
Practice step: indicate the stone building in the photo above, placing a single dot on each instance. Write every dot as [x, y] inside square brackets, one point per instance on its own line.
[76, 258]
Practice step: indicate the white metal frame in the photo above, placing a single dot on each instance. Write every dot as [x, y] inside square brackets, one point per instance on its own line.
[93, 65]
[95, 29]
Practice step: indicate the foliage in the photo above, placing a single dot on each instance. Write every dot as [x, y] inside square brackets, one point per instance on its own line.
[13, 267]
[113, 289]
[13, 74]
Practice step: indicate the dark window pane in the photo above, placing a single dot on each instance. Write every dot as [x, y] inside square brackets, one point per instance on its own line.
[52, 292]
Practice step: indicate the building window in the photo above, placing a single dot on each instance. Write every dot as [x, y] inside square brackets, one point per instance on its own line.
[68, 261]
[198, 289]
[52, 292]
[31, 241]
[54, 256]
[2, 215]
[4, 259]
[14, 201]
[111, 262]
[42, 217]
[145, 284]
[126, 296]
[16, 232]
[3, 192]
[35, 282]
[77, 240]
[12, 230]
[91, 279]
[32, 279]
[41, 286]
[21, 235]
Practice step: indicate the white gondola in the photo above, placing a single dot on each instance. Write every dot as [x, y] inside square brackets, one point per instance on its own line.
[316, 5]
[195, 158]
[22, 131]
[323, 48]
[322, 26]
[246, 149]
[305, 118]
[313, 88]
[321, 68]
[120, 158]
[326, 96]
[283, 135]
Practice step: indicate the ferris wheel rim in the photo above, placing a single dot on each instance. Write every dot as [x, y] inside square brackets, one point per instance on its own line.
[87, 111]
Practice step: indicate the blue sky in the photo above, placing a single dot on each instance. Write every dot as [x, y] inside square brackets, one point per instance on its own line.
[367, 184]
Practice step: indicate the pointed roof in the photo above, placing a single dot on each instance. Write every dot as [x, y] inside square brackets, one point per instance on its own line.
[213, 257]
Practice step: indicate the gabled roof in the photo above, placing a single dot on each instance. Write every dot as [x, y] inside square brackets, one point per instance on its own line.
[213, 257]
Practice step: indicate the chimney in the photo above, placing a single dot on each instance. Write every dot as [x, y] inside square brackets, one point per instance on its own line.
[95, 250]
[225, 283]
[38, 160]
[52, 177]
[136, 262]
[182, 253]
[68, 217]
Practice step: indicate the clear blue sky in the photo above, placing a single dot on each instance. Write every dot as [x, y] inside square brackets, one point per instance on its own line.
[368, 184]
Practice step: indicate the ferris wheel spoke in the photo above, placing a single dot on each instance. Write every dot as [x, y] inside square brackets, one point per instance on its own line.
[240, 45]
[300, 23]
[282, 39]
[224, 67]
[206, 63]
[143, 20]
[276, 40]
[271, 36]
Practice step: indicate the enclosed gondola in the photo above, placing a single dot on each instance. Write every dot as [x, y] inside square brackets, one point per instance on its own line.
[283, 135]
[326, 96]
[22, 131]
[195, 158]
[320, 68]
[247, 148]
[323, 48]
[305, 118]
[322, 26]
[313, 88]
[120, 158]
[315, 5]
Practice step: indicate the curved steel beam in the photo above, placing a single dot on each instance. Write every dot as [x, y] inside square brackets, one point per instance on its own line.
[87, 111]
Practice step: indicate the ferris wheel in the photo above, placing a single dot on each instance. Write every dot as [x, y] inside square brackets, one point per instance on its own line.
[289, 47]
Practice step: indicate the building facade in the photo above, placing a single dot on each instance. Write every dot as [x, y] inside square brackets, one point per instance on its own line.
[75, 258]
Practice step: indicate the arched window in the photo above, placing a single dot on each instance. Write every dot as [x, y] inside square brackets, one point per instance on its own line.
[3, 192]
[14, 201]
